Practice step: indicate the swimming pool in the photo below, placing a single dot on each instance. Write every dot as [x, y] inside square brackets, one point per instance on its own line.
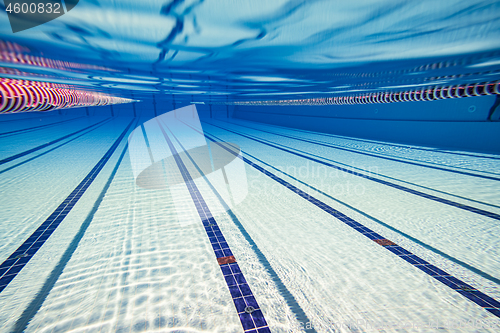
[315, 237]
[265, 166]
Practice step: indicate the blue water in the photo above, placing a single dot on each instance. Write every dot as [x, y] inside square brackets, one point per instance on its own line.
[261, 50]
[224, 217]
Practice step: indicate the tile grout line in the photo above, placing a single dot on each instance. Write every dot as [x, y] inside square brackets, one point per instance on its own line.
[32, 309]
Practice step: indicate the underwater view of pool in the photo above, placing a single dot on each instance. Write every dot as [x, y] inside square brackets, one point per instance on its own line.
[235, 166]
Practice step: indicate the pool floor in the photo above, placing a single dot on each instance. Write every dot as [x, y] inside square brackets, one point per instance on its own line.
[334, 234]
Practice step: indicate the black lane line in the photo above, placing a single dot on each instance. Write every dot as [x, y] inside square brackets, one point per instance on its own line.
[350, 118]
[31, 310]
[251, 316]
[388, 226]
[319, 143]
[30, 118]
[380, 181]
[474, 295]
[29, 151]
[439, 150]
[404, 181]
[377, 155]
[52, 149]
[17, 260]
[36, 127]
[292, 303]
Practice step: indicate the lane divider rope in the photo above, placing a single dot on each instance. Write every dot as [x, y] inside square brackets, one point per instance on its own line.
[382, 97]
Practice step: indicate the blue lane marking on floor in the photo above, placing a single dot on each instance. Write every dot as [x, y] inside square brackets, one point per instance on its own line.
[410, 183]
[29, 151]
[319, 143]
[407, 236]
[474, 295]
[19, 131]
[251, 316]
[17, 260]
[52, 149]
[439, 150]
[285, 293]
[380, 181]
[36, 303]
[31, 114]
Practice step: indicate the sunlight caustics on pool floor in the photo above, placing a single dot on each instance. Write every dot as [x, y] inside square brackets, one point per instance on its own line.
[335, 234]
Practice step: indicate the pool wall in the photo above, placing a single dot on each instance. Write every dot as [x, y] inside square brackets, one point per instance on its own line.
[451, 124]
[150, 108]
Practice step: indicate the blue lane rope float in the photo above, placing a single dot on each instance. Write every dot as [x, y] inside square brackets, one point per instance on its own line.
[414, 95]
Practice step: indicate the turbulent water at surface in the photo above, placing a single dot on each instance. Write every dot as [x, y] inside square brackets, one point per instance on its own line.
[155, 216]
[229, 50]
